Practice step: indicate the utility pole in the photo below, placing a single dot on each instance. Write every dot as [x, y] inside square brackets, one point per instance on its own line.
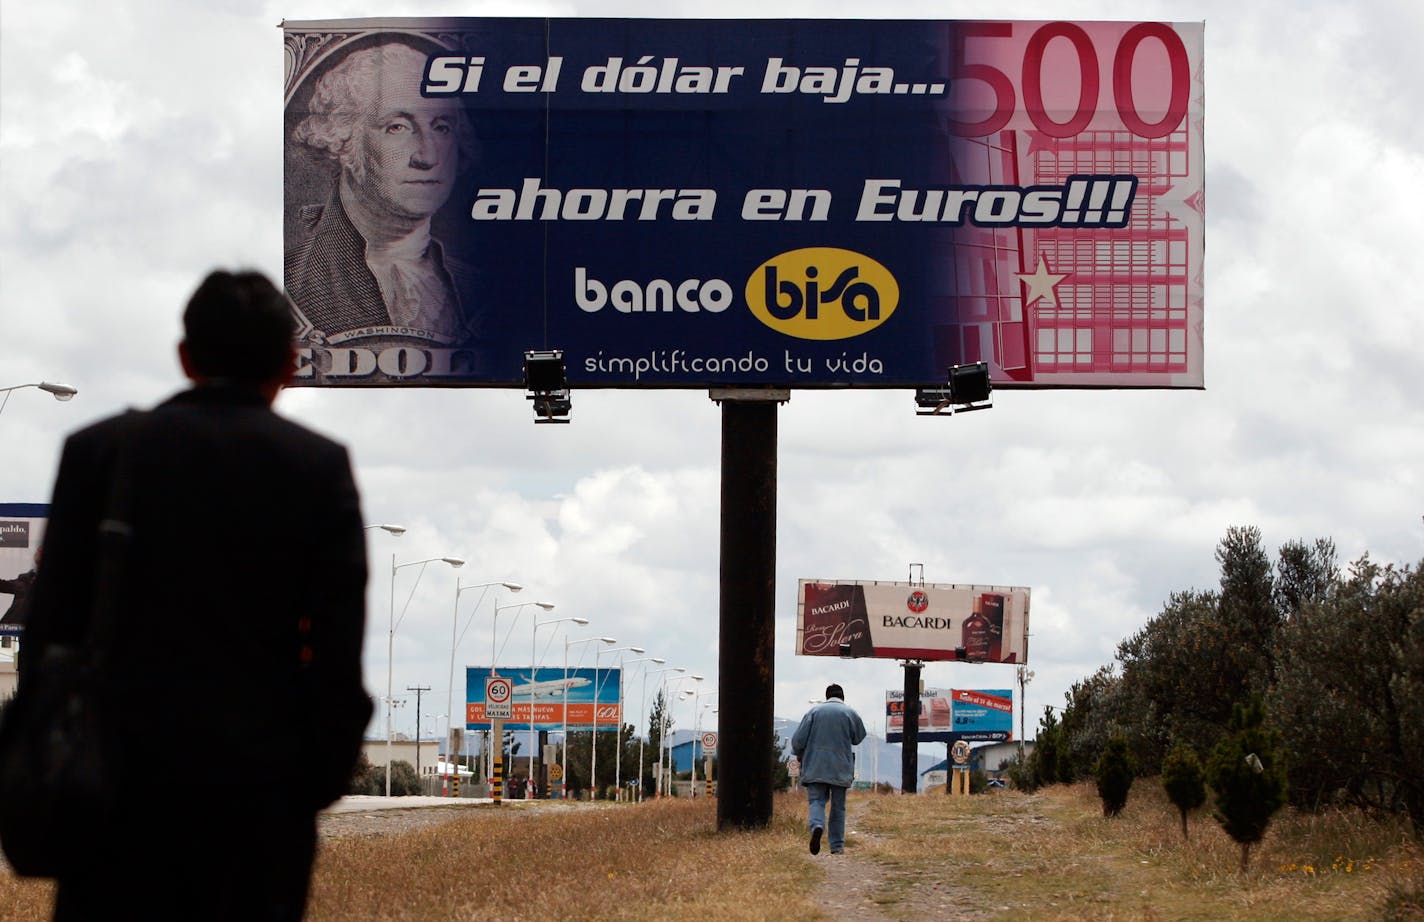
[910, 745]
[418, 689]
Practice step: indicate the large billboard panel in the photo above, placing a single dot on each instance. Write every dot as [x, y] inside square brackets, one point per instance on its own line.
[947, 715]
[788, 203]
[22, 527]
[551, 697]
[917, 621]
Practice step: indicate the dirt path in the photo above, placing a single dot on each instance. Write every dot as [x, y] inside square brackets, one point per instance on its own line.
[859, 887]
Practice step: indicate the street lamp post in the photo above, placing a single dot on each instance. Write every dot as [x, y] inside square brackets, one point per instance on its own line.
[618, 738]
[665, 788]
[597, 687]
[696, 695]
[60, 392]
[455, 642]
[533, 673]
[573, 643]
[618, 749]
[648, 728]
[496, 774]
[456, 562]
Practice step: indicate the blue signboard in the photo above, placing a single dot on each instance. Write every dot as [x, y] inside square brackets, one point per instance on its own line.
[985, 715]
[575, 699]
[792, 203]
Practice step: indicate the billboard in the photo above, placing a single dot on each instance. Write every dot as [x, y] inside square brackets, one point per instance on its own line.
[947, 715]
[551, 696]
[22, 527]
[789, 203]
[918, 621]
[985, 715]
[936, 722]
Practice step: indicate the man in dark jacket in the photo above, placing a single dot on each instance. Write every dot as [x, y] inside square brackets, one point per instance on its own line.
[238, 647]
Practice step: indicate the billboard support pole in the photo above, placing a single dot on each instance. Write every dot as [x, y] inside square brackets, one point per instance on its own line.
[747, 605]
[910, 746]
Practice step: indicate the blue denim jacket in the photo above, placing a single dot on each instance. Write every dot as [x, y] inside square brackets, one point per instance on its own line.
[823, 744]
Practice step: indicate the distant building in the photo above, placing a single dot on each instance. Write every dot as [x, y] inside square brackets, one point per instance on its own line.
[993, 759]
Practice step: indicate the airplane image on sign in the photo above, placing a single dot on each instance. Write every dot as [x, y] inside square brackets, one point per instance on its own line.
[553, 688]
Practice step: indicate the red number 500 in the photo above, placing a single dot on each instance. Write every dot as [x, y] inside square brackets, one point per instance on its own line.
[1032, 79]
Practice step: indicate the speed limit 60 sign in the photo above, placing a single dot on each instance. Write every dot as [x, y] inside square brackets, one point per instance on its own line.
[498, 692]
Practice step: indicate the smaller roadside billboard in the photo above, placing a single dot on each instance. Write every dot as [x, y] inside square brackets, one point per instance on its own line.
[983, 715]
[550, 697]
[919, 621]
[936, 721]
[22, 526]
[949, 715]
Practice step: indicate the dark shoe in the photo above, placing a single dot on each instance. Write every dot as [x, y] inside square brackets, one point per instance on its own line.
[816, 840]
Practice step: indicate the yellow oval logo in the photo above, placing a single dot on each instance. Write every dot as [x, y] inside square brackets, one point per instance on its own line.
[822, 293]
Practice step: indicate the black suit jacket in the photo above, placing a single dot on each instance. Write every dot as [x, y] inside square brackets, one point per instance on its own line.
[241, 637]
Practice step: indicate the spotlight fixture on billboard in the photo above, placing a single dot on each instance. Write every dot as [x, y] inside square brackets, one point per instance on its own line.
[967, 388]
[548, 385]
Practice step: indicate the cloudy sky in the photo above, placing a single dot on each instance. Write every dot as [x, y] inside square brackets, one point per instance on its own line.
[141, 144]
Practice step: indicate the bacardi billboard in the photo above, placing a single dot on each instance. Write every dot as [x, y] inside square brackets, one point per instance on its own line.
[920, 621]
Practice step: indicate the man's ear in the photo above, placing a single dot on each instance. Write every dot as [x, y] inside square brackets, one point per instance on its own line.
[186, 360]
[273, 385]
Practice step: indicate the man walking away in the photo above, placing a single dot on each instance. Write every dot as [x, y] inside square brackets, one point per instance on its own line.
[823, 743]
[238, 644]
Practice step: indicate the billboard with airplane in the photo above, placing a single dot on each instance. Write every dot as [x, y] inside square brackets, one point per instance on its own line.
[553, 698]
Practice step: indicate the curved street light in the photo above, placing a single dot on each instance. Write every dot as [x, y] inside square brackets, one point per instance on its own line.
[598, 687]
[454, 642]
[456, 562]
[396, 530]
[648, 729]
[618, 739]
[663, 741]
[533, 674]
[60, 392]
[573, 643]
[497, 723]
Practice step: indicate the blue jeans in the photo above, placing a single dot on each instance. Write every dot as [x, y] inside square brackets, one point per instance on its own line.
[816, 796]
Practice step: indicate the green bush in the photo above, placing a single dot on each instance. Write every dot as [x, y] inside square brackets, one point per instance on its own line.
[1184, 780]
[1114, 772]
[1248, 776]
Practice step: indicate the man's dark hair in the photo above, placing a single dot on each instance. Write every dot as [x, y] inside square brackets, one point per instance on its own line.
[238, 325]
[834, 691]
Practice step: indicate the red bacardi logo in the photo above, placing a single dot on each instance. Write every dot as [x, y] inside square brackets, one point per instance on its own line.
[918, 601]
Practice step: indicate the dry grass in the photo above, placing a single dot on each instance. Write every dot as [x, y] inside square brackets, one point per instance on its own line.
[658, 860]
[1049, 856]
[1054, 856]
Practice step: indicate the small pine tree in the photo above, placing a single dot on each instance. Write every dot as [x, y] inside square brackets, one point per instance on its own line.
[1184, 780]
[1045, 760]
[1114, 772]
[1248, 776]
